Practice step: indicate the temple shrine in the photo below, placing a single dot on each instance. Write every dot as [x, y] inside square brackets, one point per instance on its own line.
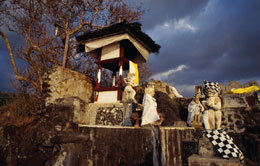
[115, 48]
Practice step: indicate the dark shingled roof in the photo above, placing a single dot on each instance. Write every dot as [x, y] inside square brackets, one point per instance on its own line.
[134, 29]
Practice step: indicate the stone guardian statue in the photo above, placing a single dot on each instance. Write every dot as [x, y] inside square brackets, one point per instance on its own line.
[212, 104]
[129, 92]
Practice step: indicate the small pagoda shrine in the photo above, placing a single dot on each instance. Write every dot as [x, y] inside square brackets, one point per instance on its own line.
[115, 48]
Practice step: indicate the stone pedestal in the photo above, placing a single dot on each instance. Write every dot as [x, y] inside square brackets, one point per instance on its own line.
[128, 107]
[196, 160]
[171, 144]
[205, 147]
[207, 157]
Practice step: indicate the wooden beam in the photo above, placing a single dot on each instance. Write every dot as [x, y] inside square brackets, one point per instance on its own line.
[108, 89]
[112, 60]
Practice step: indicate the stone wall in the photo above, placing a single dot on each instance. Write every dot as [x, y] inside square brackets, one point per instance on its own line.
[233, 107]
[196, 160]
[110, 114]
[75, 108]
[50, 141]
[126, 146]
[173, 141]
[61, 83]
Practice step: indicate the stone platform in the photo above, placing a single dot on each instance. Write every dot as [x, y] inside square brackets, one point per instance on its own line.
[196, 160]
[124, 146]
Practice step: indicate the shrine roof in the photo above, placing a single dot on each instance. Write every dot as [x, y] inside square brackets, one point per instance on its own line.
[134, 29]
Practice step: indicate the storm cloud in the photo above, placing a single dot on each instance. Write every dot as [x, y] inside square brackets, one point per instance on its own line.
[201, 40]
[159, 12]
[215, 40]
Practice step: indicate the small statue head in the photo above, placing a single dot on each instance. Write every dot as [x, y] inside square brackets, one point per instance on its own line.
[211, 89]
[150, 89]
[197, 95]
[130, 79]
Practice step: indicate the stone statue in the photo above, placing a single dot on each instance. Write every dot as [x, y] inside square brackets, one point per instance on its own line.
[150, 114]
[129, 92]
[212, 105]
[195, 108]
[129, 99]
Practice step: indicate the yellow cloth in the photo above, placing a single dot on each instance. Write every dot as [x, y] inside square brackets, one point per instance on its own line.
[245, 90]
[133, 68]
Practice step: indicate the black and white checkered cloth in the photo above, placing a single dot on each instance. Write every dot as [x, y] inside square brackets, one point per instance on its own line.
[223, 143]
[211, 85]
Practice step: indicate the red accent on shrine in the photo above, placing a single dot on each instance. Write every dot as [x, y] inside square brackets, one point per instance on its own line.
[98, 83]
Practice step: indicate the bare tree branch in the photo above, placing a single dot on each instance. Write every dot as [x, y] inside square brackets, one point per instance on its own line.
[17, 75]
[10, 52]
[34, 21]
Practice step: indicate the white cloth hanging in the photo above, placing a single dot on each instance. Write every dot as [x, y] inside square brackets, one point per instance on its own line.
[150, 114]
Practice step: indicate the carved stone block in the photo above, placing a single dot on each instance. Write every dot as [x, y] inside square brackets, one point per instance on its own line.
[205, 147]
[196, 160]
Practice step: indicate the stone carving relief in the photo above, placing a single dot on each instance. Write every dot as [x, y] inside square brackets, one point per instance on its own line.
[109, 116]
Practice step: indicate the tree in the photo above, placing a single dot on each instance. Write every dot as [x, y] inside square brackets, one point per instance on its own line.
[145, 72]
[35, 22]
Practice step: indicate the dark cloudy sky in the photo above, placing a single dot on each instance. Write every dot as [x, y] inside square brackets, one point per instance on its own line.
[216, 40]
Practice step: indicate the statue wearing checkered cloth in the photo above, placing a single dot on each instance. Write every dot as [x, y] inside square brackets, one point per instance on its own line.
[212, 105]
